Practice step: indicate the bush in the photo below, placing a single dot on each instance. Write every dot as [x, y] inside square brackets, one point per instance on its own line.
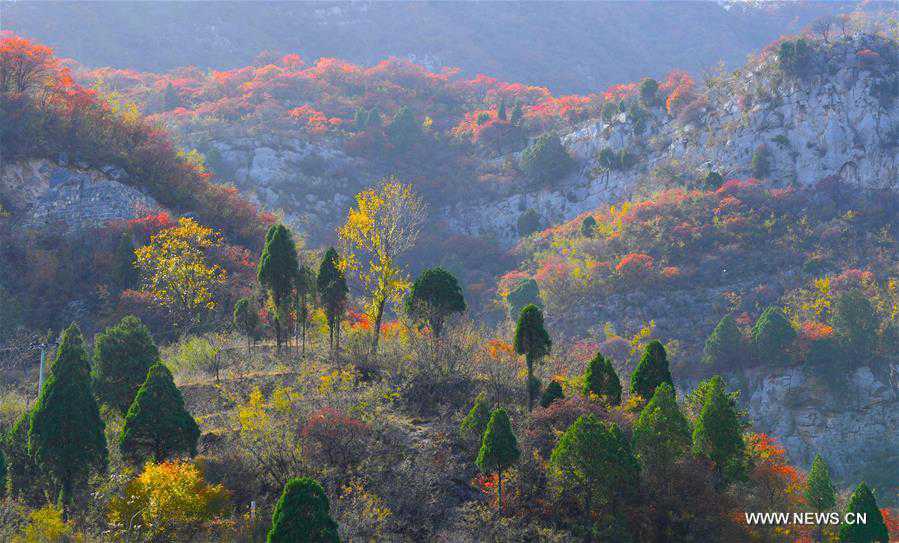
[546, 160]
[528, 223]
[761, 162]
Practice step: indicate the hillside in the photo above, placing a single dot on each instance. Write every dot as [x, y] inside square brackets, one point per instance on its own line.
[569, 48]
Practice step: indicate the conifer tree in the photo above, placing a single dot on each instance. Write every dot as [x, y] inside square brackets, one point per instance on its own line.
[125, 272]
[157, 426]
[521, 295]
[476, 421]
[332, 291]
[552, 393]
[588, 226]
[855, 322]
[718, 433]
[651, 371]
[772, 336]
[873, 530]
[66, 433]
[595, 462]
[602, 380]
[122, 356]
[724, 346]
[22, 473]
[819, 491]
[276, 271]
[305, 291]
[517, 114]
[499, 449]
[435, 295]
[501, 111]
[246, 319]
[531, 340]
[661, 433]
[303, 514]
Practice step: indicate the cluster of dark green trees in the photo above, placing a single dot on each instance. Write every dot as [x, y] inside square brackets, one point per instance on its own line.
[292, 289]
[54, 448]
[856, 336]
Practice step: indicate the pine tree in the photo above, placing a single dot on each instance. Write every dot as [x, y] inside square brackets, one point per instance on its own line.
[546, 160]
[157, 426]
[531, 340]
[588, 226]
[435, 295]
[661, 433]
[602, 380]
[772, 336]
[855, 322]
[718, 432]
[595, 462]
[246, 319]
[499, 449]
[862, 502]
[122, 356]
[476, 421]
[276, 271]
[332, 291]
[651, 371]
[552, 393]
[303, 514]
[819, 491]
[724, 347]
[66, 434]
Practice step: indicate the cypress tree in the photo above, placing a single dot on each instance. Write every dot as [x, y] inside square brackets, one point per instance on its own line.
[772, 335]
[246, 319]
[476, 421]
[125, 273]
[602, 380]
[517, 114]
[122, 356]
[552, 393]
[435, 295]
[303, 514]
[22, 473]
[333, 291]
[596, 462]
[157, 425]
[523, 294]
[661, 433]
[501, 111]
[855, 323]
[305, 291]
[588, 226]
[66, 434]
[651, 371]
[276, 271]
[499, 449]
[819, 491]
[862, 502]
[724, 347]
[531, 340]
[718, 432]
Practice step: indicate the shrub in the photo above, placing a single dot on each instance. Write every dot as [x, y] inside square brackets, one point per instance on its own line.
[552, 393]
[546, 160]
[333, 439]
[529, 222]
[772, 336]
[761, 162]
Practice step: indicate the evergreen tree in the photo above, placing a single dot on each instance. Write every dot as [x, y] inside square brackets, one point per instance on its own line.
[546, 160]
[526, 292]
[552, 393]
[305, 292]
[122, 356]
[761, 162]
[772, 336]
[435, 295]
[157, 426]
[531, 340]
[276, 271]
[246, 319]
[588, 226]
[595, 462]
[125, 273]
[332, 291]
[651, 371]
[303, 514]
[22, 473]
[661, 433]
[862, 502]
[501, 111]
[476, 421]
[713, 180]
[66, 434]
[529, 222]
[718, 432]
[517, 114]
[602, 380]
[403, 130]
[819, 491]
[649, 88]
[499, 449]
[724, 347]
[855, 323]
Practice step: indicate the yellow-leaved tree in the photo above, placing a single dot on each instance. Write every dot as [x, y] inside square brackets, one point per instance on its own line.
[384, 224]
[176, 271]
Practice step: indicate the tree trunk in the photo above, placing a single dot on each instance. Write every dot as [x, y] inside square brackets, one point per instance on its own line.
[530, 361]
[377, 328]
[499, 490]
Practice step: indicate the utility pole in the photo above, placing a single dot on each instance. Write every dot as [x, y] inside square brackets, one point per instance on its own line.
[40, 376]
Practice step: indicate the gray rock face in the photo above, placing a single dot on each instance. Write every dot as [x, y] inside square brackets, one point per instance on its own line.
[40, 193]
[853, 424]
